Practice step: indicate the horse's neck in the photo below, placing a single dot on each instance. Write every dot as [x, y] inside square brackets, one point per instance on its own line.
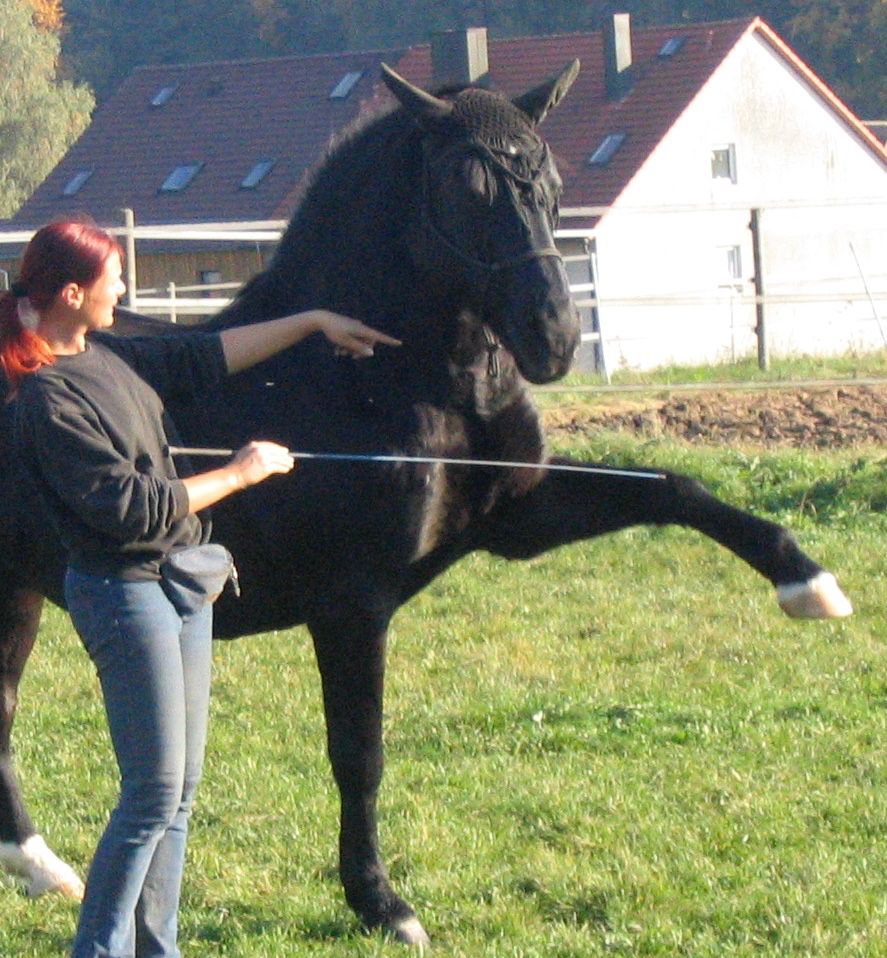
[495, 402]
[474, 375]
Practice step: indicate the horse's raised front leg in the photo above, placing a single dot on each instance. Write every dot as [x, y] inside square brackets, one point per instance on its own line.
[566, 507]
[22, 851]
[350, 647]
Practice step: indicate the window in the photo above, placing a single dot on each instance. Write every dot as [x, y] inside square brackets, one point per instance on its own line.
[731, 265]
[723, 162]
[180, 177]
[258, 173]
[74, 185]
[345, 85]
[164, 94]
[210, 277]
[607, 149]
[671, 47]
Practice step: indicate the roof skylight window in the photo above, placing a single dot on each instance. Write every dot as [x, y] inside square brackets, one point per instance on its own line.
[164, 94]
[180, 177]
[74, 185]
[607, 149]
[258, 173]
[345, 85]
[671, 47]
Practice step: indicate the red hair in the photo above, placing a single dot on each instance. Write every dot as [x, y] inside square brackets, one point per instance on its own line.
[70, 251]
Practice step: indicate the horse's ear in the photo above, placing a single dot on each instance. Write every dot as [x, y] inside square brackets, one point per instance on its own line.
[537, 102]
[427, 110]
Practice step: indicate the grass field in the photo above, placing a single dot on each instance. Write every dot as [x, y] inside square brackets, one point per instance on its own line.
[847, 366]
[622, 748]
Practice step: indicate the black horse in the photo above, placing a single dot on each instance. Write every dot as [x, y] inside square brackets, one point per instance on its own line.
[433, 222]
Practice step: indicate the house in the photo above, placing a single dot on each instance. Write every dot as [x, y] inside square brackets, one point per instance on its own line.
[669, 140]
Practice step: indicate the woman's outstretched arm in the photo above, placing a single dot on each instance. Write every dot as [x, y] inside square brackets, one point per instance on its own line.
[244, 346]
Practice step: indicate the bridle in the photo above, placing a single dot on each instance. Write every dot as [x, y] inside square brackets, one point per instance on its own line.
[486, 269]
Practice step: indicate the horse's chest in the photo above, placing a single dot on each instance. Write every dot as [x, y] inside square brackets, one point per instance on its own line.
[445, 495]
[443, 512]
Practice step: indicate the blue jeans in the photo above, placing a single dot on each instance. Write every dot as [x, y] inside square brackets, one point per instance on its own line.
[154, 668]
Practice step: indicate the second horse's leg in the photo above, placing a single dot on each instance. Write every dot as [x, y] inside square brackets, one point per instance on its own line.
[22, 851]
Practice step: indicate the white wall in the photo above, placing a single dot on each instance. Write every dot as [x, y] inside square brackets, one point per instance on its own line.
[821, 190]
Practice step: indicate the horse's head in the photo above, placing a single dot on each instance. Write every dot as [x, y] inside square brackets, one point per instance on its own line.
[490, 191]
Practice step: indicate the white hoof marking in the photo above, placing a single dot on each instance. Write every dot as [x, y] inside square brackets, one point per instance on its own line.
[818, 598]
[41, 868]
[411, 932]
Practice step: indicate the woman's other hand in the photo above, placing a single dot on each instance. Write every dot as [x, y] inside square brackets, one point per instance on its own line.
[251, 464]
[258, 460]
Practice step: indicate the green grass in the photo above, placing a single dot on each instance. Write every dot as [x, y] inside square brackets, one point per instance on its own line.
[621, 748]
[849, 366]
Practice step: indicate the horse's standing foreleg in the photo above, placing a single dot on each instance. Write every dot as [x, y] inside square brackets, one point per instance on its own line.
[350, 648]
[22, 851]
[566, 507]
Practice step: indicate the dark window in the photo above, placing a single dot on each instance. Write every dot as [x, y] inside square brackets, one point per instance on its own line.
[76, 182]
[341, 90]
[164, 94]
[671, 47]
[607, 149]
[258, 173]
[180, 177]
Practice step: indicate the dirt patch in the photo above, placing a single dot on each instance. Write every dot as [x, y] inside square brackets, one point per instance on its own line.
[814, 418]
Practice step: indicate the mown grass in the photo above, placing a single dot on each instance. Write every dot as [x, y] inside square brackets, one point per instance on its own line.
[782, 370]
[622, 748]
[849, 366]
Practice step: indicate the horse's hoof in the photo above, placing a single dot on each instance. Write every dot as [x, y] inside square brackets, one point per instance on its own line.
[818, 598]
[410, 932]
[41, 868]
[70, 886]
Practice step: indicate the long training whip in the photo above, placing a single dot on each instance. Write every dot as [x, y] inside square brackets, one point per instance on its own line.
[443, 460]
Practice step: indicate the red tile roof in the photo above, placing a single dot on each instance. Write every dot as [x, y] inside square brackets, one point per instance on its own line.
[661, 91]
[225, 115]
[230, 115]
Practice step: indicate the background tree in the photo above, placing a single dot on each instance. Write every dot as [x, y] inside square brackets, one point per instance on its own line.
[106, 39]
[40, 115]
[846, 43]
[48, 14]
[843, 40]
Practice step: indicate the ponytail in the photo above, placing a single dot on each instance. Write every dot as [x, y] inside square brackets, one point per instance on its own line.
[22, 351]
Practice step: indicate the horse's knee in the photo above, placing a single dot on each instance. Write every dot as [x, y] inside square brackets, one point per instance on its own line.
[8, 704]
[357, 771]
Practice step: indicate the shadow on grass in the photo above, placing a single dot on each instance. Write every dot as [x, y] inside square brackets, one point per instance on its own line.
[238, 920]
[589, 910]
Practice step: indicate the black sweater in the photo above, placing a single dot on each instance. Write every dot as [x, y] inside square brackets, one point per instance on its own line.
[93, 433]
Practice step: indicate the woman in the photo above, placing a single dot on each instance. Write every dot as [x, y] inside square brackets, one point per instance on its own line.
[94, 437]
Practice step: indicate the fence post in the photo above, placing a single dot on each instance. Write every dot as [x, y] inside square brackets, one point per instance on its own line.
[130, 245]
[173, 315]
[760, 324]
[596, 324]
